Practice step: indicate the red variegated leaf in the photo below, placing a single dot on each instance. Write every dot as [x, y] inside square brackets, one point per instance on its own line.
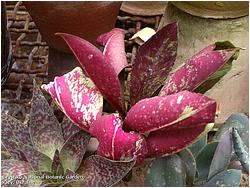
[197, 70]
[68, 128]
[11, 169]
[45, 130]
[153, 63]
[114, 48]
[37, 160]
[116, 144]
[166, 142]
[78, 97]
[182, 109]
[73, 150]
[14, 135]
[102, 172]
[98, 68]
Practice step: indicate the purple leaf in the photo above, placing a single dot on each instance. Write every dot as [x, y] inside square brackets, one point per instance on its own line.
[12, 169]
[73, 150]
[116, 144]
[37, 160]
[153, 63]
[197, 70]
[183, 109]
[45, 130]
[98, 68]
[77, 96]
[68, 128]
[114, 49]
[102, 172]
[71, 176]
[14, 136]
[166, 142]
[56, 166]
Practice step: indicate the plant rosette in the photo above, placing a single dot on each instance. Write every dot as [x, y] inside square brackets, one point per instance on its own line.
[168, 109]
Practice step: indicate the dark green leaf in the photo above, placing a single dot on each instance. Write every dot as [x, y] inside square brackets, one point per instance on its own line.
[222, 154]
[189, 160]
[198, 145]
[204, 159]
[166, 172]
[226, 178]
[239, 121]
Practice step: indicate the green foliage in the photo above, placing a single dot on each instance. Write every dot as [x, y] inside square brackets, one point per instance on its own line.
[166, 172]
[239, 121]
[226, 178]
[207, 168]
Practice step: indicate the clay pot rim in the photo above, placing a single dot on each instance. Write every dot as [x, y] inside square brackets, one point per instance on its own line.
[209, 12]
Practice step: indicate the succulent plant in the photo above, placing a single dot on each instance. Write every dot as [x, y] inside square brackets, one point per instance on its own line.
[240, 151]
[154, 126]
[46, 153]
[209, 168]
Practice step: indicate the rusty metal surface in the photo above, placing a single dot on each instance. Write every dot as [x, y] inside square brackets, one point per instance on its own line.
[30, 53]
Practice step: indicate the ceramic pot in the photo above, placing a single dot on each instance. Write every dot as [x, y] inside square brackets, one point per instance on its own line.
[197, 32]
[84, 19]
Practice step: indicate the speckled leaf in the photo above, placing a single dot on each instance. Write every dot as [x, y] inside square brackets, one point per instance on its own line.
[72, 176]
[68, 128]
[240, 151]
[181, 110]
[216, 76]
[97, 66]
[78, 97]
[14, 135]
[102, 172]
[45, 130]
[190, 164]
[222, 154]
[239, 121]
[10, 169]
[114, 142]
[153, 62]
[166, 172]
[166, 142]
[204, 160]
[37, 160]
[226, 178]
[73, 150]
[56, 166]
[198, 69]
[114, 49]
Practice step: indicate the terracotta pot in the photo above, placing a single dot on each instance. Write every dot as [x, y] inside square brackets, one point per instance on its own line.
[144, 8]
[84, 19]
[214, 9]
[195, 33]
